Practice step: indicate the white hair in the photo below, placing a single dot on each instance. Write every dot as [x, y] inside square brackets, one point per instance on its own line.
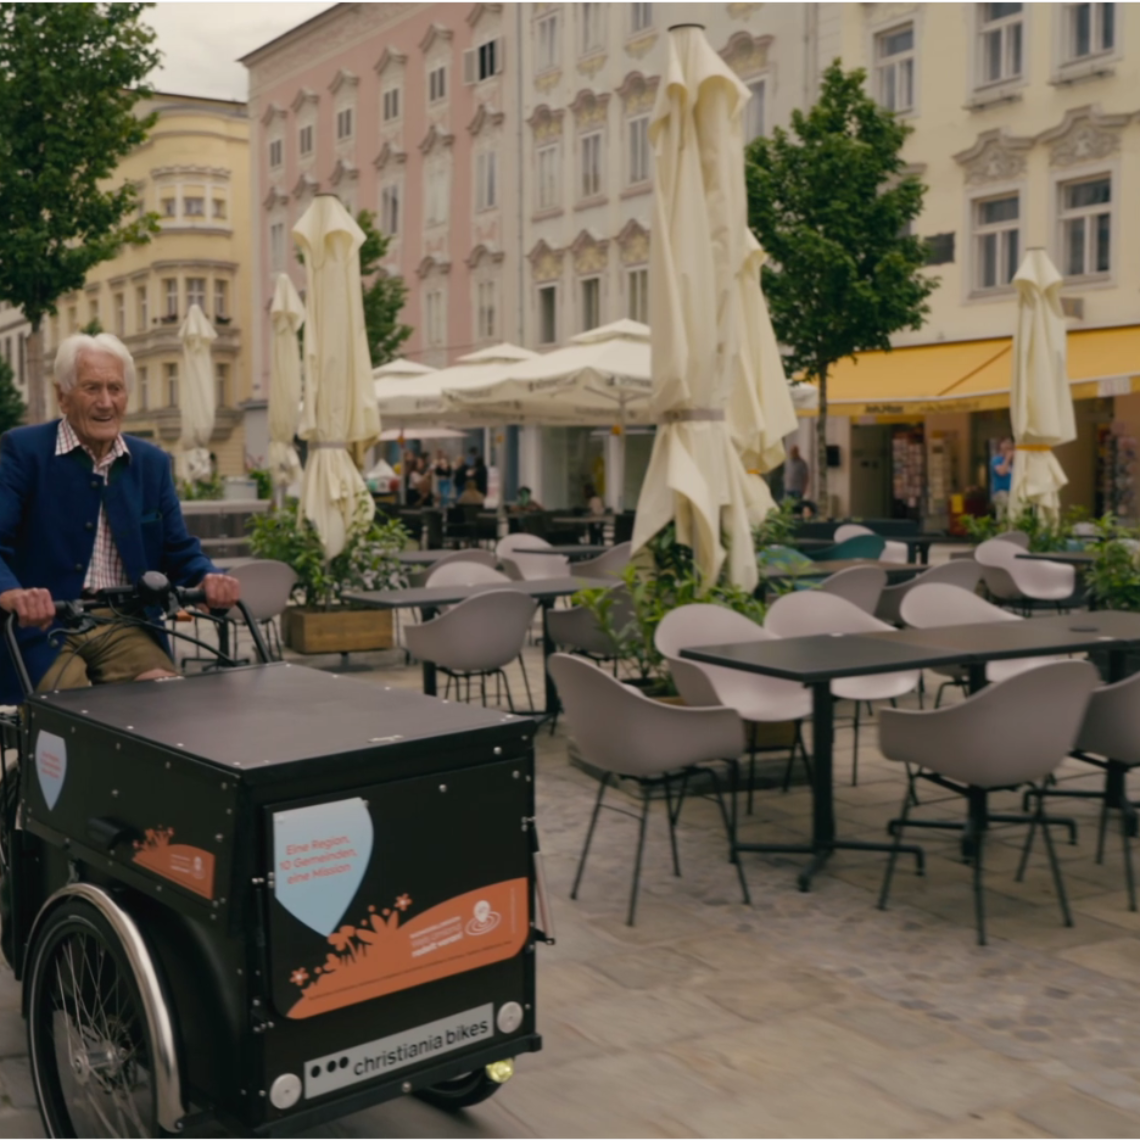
[67, 357]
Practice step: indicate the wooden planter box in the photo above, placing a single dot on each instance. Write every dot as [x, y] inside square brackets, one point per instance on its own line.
[337, 631]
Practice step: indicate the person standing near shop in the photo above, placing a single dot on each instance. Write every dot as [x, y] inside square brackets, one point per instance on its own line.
[442, 472]
[479, 475]
[797, 476]
[1001, 475]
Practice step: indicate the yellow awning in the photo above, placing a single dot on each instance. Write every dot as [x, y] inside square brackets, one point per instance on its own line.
[971, 376]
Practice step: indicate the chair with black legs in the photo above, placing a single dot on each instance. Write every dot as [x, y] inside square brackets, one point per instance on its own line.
[628, 736]
[1009, 734]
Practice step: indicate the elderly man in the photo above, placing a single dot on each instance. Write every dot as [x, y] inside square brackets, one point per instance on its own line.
[83, 508]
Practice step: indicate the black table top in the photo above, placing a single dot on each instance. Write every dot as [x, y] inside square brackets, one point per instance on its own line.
[894, 570]
[431, 596]
[571, 551]
[823, 658]
[1070, 557]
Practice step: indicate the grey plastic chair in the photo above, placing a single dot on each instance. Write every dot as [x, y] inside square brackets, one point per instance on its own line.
[892, 551]
[483, 557]
[1008, 734]
[1017, 537]
[578, 630]
[464, 572]
[860, 585]
[1110, 739]
[1033, 579]
[608, 565]
[962, 572]
[758, 699]
[512, 552]
[628, 735]
[938, 604]
[994, 556]
[476, 638]
[266, 587]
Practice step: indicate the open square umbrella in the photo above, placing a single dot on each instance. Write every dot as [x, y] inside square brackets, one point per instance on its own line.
[287, 314]
[197, 396]
[339, 405]
[1040, 399]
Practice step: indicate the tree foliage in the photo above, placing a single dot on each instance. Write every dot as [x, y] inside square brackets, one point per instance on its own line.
[70, 75]
[384, 298]
[12, 407]
[830, 203]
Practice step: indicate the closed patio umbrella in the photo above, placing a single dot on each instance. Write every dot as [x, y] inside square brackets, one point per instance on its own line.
[339, 407]
[287, 314]
[1040, 400]
[698, 254]
[197, 398]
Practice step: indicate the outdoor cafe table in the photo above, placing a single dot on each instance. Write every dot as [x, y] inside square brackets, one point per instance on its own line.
[429, 599]
[817, 661]
[917, 545]
[777, 573]
[573, 551]
[1076, 558]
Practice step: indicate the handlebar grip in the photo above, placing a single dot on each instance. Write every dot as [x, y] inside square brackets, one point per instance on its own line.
[191, 597]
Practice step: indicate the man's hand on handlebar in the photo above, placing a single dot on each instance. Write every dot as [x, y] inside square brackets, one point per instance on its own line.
[32, 607]
[222, 592]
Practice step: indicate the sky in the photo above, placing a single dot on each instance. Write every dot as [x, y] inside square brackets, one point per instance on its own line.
[201, 42]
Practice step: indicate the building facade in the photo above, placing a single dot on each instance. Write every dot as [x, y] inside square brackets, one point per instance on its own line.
[15, 329]
[193, 171]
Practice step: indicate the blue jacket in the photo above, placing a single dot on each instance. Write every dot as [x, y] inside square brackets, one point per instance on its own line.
[49, 508]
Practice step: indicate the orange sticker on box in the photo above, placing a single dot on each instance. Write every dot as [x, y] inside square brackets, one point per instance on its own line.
[380, 956]
[189, 867]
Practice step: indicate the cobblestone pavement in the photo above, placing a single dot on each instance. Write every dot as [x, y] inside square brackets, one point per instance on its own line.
[805, 1014]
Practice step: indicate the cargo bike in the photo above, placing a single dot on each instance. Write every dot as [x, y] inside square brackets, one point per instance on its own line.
[263, 896]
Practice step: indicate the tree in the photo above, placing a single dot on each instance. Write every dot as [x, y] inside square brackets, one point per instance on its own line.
[384, 298]
[70, 75]
[831, 205]
[12, 408]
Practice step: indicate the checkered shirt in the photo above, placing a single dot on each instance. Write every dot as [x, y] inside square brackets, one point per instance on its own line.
[106, 567]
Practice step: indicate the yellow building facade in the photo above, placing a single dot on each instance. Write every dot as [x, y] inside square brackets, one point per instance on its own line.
[193, 171]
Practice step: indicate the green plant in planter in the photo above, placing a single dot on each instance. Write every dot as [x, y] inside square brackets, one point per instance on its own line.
[665, 581]
[367, 562]
[201, 489]
[778, 528]
[1114, 576]
[1044, 534]
[264, 480]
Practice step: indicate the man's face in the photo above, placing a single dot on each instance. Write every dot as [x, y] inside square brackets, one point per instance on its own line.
[95, 407]
[795, 452]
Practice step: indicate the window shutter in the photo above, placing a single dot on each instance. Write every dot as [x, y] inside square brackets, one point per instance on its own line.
[500, 51]
[470, 66]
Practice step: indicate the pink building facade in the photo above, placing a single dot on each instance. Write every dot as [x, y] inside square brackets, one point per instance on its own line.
[401, 109]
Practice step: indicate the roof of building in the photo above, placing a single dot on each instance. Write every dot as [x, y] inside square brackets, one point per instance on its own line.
[278, 41]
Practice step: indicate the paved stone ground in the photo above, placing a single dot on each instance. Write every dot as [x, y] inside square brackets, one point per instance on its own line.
[805, 1014]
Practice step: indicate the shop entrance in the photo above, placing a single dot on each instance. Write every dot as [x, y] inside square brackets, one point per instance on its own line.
[871, 471]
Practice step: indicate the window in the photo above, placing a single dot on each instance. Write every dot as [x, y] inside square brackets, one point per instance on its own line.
[547, 47]
[344, 124]
[437, 198]
[639, 150]
[754, 112]
[172, 385]
[169, 207]
[196, 292]
[390, 210]
[194, 207]
[485, 316]
[591, 303]
[894, 68]
[591, 28]
[390, 104]
[276, 152]
[305, 139]
[434, 318]
[221, 297]
[120, 303]
[142, 309]
[219, 207]
[486, 178]
[997, 240]
[1002, 28]
[591, 150]
[277, 246]
[93, 310]
[143, 387]
[549, 195]
[73, 319]
[222, 380]
[640, 17]
[489, 61]
[170, 288]
[548, 314]
[437, 83]
[637, 282]
[1086, 227]
[1090, 29]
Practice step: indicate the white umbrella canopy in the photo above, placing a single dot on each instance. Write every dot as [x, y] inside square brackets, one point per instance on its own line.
[698, 254]
[1040, 399]
[339, 406]
[393, 435]
[601, 377]
[197, 396]
[286, 315]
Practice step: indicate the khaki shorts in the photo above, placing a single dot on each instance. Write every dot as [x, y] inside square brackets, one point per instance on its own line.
[104, 655]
